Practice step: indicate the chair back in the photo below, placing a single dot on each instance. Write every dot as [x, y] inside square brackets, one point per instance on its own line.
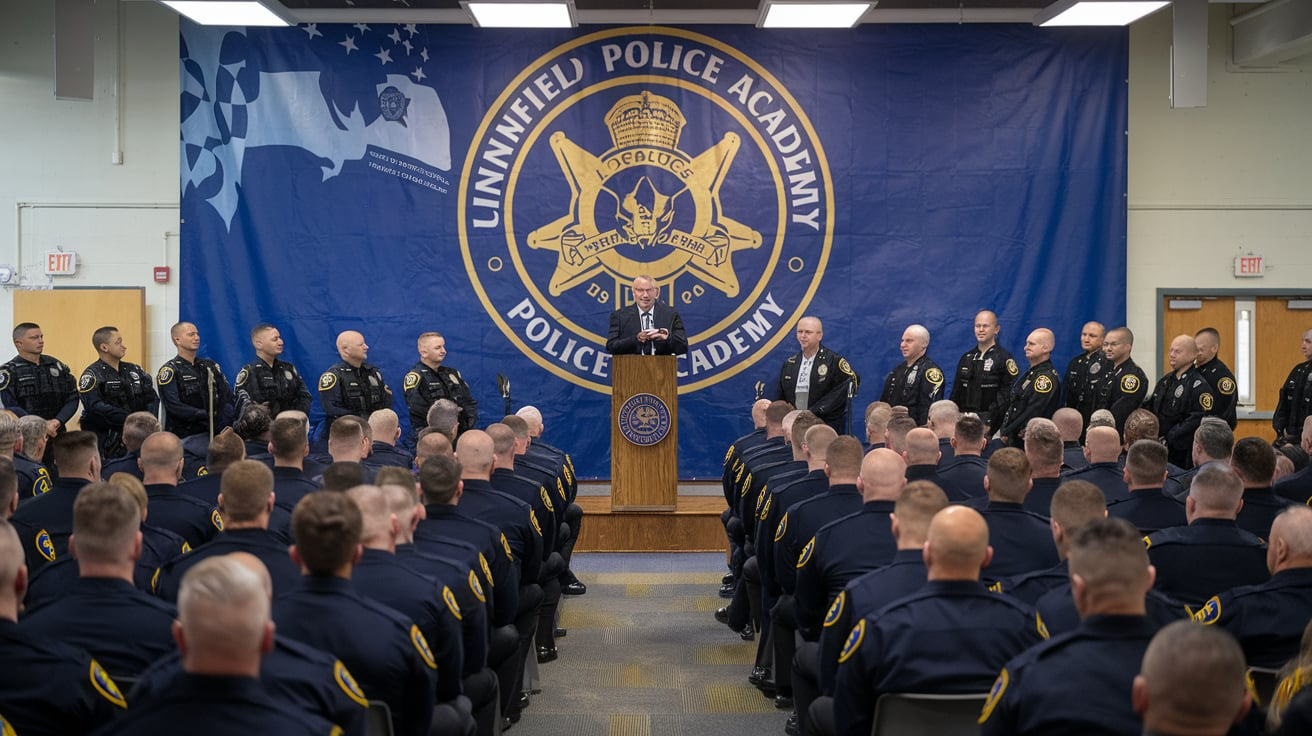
[922, 714]
[378, 722]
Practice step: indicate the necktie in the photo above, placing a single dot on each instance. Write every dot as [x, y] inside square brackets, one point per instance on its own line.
[649, 348]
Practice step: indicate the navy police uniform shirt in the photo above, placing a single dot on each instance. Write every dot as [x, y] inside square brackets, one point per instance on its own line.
[1072, 456]
[1297, 487]
[123, 628]
[951, 636]
[48, 522]
[1021, 540]
[1072, 685]
[262, 543]
[444, 523]
[1109, 477]
[1084, 374]
[862, 596]
[45, 388]
[205, 488]
[212, 705]
[518, 525]
[430, 605]
[194, 393]
[1295, 402]
[1180, 403]
[108, 396]
[782, 497]
[914, 386]
[929, 473]
[1222, 381]
[299, 675]
[1035, 394]
[752, 505]
[126, 464]
[1039, 499]
[470, 595]
[290, 485]
[1149, 509]
[550, 512]
[733, 459]
[840, 551]
[33, 478]
[196, 521]
[1260, 509]
[48, 688]
[278, 386]
[963, 474]
[804, 519]
[1198, 561]
[1268, 619]
[382, 454]
[1122, 390]
[345, 389]
[383, 649]
[983, 382]
[1030, 586]
[1057, 608]
[423, 386]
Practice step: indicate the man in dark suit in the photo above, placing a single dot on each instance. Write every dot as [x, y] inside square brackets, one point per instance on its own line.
[817, 379]
[648, 327]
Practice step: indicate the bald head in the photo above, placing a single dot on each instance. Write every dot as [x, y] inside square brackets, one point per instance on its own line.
[915, 342]
[1102, 445]
[883, 474]
[533, 417]
[1069, 423]
[957, 545]
[1192, 681]
[161, 458]
[1038, 346]
[758, 413]
[1182, 353]
[1291, 540]
[432, 444]
[921, 447]
[474, 448]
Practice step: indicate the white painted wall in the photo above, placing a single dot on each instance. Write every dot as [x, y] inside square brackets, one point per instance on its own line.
[1207, 184]
[1204, 184]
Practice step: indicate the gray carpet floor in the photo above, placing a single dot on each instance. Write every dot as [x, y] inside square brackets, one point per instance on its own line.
[645, 657]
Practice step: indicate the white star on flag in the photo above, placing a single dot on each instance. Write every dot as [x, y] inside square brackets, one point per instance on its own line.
[395, 35]
[348, 44]
[312, 30]
[424, 54]
[418, 74]
[362, 27]
[384, 56]
[411, 29]
[408, 46]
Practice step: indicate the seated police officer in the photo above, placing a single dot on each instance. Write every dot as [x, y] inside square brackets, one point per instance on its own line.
[223, 631]
[383, 649]
[47, 688]
[1192, 682]
[46, 522]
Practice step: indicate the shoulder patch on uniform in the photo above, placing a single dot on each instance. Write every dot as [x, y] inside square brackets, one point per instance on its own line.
[165, 375]
[546, 498]
[421, 646]
[154, 580]
[560, 489]
[86, 383]
[805, 557]
[1205, 401]
[1012, 368]
[1210, 613]
[348, 684]
[1147, 542]
[1039, 626]
[836, 609]
[452, 605]
[42, 483]
[995, 695]
[202, 471]
[728, 454]
[996, 587]
[1226, 385]
[505, 544]
[410, 381]
[782, 528]
[4, 378]
[853, 643]
[216, 519]
[764, 510]
[476, 588]
[186, 546]
[1043, 384]
[45, 546]
[1129, 383]
[533, 519]
[5, 728]
[845, 367]
[934, 376]
[327, 381]
[104, 684]
[487, 571]
[242, 375]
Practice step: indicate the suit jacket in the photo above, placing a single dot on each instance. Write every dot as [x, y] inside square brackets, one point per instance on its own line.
[625, 325]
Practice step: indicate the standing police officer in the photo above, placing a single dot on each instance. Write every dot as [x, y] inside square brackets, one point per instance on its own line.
[352, 386]
[817, 379]
[269, 381]
[1295, 402]
[111, 389]
[1124, 384]
[195, 393]
[1217, 373]
[1180, 400]
[1084, 372]
[985, 374]
[429, 381]
[35, 383]
[1035, 393]
[917, 382]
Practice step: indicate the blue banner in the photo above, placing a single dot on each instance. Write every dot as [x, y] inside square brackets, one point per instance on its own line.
[504, 188]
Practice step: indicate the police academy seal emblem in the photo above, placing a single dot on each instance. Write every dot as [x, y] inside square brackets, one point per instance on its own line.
[643, 419]
[645, 151]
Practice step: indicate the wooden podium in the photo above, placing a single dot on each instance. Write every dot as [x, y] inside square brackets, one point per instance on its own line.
[644, 437]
